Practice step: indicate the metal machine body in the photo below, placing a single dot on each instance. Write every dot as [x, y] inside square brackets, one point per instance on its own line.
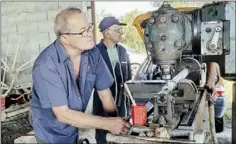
[170, 81]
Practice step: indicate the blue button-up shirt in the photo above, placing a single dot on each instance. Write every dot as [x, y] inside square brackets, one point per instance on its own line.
[54, 85]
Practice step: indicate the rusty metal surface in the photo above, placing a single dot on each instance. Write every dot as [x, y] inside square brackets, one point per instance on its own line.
[197, 115]
[200, 112]
[167, 34]
[139, 139]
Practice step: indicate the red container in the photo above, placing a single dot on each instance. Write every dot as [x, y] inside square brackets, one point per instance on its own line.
[3, 102]
[220, 90]
[139, 115]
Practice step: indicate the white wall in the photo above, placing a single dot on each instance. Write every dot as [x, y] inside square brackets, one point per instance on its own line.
[29, 26]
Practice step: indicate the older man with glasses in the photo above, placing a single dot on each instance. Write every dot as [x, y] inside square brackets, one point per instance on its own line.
[64, 76]
[117, 60]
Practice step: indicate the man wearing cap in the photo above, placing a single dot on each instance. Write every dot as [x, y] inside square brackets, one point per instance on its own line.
[117, 60]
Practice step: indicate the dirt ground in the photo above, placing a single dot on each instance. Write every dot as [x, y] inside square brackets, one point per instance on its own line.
[13, 129]
[226, 136]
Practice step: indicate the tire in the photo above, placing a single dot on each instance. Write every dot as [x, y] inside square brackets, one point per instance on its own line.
[219, 124]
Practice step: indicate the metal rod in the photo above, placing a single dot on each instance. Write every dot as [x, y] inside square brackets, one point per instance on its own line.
[212, 123]
[5, 65]
[26, 65]
[147, 81]
[14, 113]
[155, 139]
[16, 108]
[171, 85]
[234, 115]
[176, 133]
[15, 58]
[4, 74]
[93, 20]
[129, 94]
[12, 83]
[141, 129]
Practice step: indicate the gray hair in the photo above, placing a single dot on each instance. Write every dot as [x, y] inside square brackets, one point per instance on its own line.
[61, 24]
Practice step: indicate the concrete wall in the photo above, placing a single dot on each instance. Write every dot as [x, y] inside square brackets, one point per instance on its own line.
[29, 27]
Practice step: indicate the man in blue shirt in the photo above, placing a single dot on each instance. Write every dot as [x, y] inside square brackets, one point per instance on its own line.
[64, 76]
[118, 62]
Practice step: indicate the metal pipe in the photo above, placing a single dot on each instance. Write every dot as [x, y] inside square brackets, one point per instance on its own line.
[141, 129]
[177, 133]
[14, 113]
[16, 108]
[6, 66]
[26, 65]
[212, 123]
[234, 115]
[93, 20]
[147, 81]
[171, 84]
[155, 139]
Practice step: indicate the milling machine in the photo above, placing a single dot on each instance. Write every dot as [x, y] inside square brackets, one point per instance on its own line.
[180, 44]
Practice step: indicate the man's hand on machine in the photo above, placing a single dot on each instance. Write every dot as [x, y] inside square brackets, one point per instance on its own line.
[212, 91]
[118, 125]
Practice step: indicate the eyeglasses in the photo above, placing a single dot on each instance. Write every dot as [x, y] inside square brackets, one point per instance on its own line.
[83, 33]
[117, 30]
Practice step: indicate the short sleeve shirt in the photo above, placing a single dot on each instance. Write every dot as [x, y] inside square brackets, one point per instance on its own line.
[54, 85]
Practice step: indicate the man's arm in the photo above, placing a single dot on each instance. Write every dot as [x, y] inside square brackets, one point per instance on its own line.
[52, 94]
[79, 119]
[82, 120]
[108, 102]
[213, 72]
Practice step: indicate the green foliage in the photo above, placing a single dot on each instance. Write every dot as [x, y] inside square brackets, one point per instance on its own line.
[131, 37]
[99, 17]
[180, 4]
[186, 4]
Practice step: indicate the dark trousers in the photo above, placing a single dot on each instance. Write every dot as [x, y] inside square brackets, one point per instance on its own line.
[100, 135]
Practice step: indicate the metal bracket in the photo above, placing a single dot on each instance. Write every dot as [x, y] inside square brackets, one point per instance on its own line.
[211, 38]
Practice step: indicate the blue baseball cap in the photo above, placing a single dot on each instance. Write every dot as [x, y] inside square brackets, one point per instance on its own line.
[109, 21]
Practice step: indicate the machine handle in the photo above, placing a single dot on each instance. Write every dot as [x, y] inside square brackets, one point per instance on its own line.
[129, 94]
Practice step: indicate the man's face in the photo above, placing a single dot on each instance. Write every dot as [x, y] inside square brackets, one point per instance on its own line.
[115, 33]
[81, 33]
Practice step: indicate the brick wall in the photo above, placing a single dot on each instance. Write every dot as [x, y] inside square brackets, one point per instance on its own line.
[29, 27]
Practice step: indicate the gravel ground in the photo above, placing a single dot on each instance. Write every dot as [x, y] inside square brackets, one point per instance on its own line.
[226, 136]
[11, 129]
